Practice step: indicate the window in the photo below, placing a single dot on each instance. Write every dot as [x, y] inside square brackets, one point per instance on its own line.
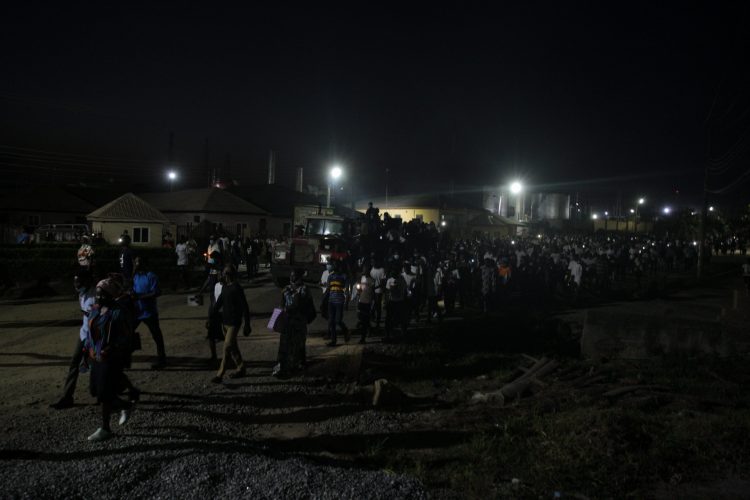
[140, 235]
[196, 218]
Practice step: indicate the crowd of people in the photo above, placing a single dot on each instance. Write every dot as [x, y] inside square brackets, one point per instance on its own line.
[397, 273]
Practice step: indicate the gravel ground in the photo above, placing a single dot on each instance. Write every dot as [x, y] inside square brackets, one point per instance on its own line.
[256, 437]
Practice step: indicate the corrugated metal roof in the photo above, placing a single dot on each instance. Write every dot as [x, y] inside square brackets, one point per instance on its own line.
[128, 207]
[276, 199]
[206, 200]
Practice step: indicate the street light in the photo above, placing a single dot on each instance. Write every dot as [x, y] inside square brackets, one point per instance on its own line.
[333, 176]
[172, 176]
[667, 210]
[516, 188]
[641, 201]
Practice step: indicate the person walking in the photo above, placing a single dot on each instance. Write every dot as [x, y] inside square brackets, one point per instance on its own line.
[108, 344]
[232, 304]
[213, 275]
[365, 293]
[297, 303]
[337, 286]
[83, 283]
[145, 291]
[396, 313]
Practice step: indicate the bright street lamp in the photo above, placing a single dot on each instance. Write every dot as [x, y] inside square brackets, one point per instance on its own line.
[594, 216]
[632, 210]
[172, 176]
[641, 201]
[516, 188]
[667, 210]
[333, 176]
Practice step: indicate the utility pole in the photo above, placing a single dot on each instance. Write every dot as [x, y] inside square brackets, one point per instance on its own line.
[704, 212]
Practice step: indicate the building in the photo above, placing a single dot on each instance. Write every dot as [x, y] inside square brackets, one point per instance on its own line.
[445, 211]
[222, 210]
[286, 207]
[130, 215]
[527, 206]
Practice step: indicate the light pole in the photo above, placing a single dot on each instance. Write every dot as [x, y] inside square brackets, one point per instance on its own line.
[641, 201]
[172, 176]
[516, 188]
[333, 175]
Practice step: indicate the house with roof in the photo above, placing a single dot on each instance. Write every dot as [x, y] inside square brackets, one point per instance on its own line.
[212, 208]
[129, 214]
[287, 207]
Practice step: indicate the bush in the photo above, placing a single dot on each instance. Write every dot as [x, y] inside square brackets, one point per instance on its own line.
[55, 262]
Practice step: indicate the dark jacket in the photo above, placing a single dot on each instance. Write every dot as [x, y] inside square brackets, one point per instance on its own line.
[233, 304]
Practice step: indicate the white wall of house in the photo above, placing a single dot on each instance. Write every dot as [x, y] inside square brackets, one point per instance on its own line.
[111, 232]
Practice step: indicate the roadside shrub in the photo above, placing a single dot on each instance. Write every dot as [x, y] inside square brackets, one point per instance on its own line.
[54, 262]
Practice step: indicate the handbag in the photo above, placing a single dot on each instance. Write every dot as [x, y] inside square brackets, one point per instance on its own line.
[278, 320]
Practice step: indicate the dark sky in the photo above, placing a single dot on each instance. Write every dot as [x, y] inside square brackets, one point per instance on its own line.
[554, 92]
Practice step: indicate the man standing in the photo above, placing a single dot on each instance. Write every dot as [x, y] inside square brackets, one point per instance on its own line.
[182, 261]
[83, 284]
[126, 258]
[232, 304]
[145, 291]
[377, 273]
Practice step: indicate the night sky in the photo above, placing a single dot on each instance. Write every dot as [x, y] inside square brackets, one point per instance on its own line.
[578, 96]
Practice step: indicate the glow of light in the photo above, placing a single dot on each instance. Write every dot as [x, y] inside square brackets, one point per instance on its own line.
[442, 223]
[606, 213]
[667, 210]
[594, 216]
[695, 243]
[539, 236]
[512, 242]
[641, 201]
[172, 175]
[632, 210]
[710, 209]
[516, 187]
[336, 172]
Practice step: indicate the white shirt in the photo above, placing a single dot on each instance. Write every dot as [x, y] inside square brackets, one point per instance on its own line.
[576, 271]
[324, 280]
[182, 254]
[378, 276]
[218, 287]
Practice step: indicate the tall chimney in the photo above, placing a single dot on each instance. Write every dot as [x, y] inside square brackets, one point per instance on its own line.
[272, 167]
[299, 185]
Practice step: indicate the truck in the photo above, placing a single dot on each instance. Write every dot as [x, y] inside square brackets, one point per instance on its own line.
[312, 248]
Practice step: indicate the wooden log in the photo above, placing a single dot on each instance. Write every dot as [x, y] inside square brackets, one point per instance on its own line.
[614, 393]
